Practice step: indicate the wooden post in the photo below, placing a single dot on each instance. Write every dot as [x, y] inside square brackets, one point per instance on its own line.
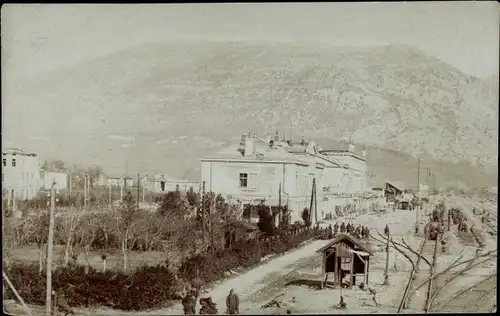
[351, 275]
[16, 293]
[50, 244]
[279, 206]
[203, 209]
[367, 270]
[386, 270]
[337, 268]
[138, 189]
[122, 184]
[85, 191]
[315, 202]
[109, 194]
[14, 209]
[323, 277]
[144, 191]
[311, 203]
[365, 273]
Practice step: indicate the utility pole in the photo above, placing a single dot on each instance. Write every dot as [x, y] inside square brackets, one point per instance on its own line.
[417, 213]
[85, 191]
[203, 209]
[315, 201]
[126, 172]
[138, 189]
[144, 190]
[70, 185]
[50, 244]
[279, 206]
[386, 270]
[311, 203]
[109, 194]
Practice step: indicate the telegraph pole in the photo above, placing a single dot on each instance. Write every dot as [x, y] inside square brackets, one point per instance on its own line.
[418, 197]
[85, 191]
[50, 242]
[279, 206]
[138, 189]
[203, 209]
[315, 202]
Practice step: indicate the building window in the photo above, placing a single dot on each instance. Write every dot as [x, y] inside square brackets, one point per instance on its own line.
[13, 162]
[243, 180]
[4, 160]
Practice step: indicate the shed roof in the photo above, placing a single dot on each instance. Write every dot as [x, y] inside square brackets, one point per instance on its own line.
[245, 225]
[349, 238]
[397, 184]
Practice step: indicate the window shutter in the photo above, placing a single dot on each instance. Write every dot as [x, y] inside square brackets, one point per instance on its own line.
[253, 180]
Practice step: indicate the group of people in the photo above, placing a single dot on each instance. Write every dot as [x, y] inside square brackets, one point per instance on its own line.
[207, 306]
[360, 232]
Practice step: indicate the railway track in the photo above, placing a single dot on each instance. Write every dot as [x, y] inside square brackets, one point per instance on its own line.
[419, 279]
[475, 297]
[418, 276]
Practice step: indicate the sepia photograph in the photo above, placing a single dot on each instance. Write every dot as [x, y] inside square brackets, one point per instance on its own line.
[250, 158]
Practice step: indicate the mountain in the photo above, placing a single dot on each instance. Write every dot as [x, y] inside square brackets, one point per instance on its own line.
[161, 106]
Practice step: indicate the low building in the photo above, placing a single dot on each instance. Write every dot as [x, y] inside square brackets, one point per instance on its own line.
[120, 181]
[21, 174]
[394, 190]
[277, 171]
[163, 184]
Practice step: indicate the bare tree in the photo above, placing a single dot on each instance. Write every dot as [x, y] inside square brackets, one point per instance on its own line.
[89, 225]
[39, 228]
[127, 224]
[69, 225]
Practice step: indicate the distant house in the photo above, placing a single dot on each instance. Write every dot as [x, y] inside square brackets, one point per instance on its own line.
[393, 190]
[162, 184]
[120, 181]
[21, 174]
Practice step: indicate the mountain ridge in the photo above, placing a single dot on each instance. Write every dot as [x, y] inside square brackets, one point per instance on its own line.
[391, 96]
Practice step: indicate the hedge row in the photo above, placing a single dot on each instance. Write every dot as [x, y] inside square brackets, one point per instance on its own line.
[148, 287]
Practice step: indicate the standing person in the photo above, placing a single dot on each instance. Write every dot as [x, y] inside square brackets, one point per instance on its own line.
[336, 228]
[189, 303]
[342, 228]
[386, 230]
[232, 303]
[62, 304]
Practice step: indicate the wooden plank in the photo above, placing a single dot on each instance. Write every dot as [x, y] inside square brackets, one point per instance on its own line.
[324, 270]
[361, 258]
[337, 270]
[365, 274]
[351, 277]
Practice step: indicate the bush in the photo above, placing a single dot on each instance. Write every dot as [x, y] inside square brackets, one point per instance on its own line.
[148, 287]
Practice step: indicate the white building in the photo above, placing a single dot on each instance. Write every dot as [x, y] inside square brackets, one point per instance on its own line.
[257, 170]
[20, 173]
[120, 181]
[162, 184]
[60, 179]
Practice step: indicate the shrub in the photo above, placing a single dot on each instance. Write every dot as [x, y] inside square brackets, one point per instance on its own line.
[148, 287]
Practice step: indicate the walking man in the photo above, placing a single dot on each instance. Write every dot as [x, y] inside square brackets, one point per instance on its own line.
[232, 303]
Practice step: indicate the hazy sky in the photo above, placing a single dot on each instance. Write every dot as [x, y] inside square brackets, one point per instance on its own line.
[42, 37]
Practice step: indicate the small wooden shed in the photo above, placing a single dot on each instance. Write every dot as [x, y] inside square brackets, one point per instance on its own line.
[345, 255]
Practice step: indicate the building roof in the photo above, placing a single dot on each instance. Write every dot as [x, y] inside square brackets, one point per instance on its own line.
[401, 186]
[288, 152]
[349, 238]
[17, 151]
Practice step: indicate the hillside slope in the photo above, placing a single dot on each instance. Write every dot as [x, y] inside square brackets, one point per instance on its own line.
[181, 100]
